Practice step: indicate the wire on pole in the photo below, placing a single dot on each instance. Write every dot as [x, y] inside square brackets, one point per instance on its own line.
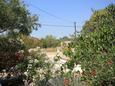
[50, 14]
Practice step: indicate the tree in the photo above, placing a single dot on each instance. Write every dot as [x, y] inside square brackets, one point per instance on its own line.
[65, 38]
[14, 17]
[49, 41]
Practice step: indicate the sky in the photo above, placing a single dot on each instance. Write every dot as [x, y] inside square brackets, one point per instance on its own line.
[64, 13]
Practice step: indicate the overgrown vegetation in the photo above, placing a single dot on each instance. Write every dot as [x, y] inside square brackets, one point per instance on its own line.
[95, 47]
[15, 19]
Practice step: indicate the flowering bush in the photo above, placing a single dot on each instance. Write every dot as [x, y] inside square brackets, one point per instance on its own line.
[10, 53]
[95, 48]
[35, 67]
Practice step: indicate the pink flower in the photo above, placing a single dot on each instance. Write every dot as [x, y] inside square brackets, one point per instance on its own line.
[109, 62]
[93, 72]
[66, 82]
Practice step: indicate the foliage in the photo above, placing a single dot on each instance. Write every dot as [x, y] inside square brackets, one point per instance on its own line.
[9, 52]
[14, 17]
[49, 41]
[65, 38]
[95, 46]
[37, 67]
[99, 17]
[30, 42]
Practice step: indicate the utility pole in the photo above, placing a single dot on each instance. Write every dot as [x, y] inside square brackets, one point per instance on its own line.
[75, 29]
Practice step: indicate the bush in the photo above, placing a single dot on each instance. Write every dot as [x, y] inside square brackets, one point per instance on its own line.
[95, 48]
[9, 52]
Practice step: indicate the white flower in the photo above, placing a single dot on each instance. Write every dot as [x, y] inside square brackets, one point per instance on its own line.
[30, 61]
[29, 65]
[26, 73]
[77, 68]
[36, 61]
[66, 70]
[62, 61]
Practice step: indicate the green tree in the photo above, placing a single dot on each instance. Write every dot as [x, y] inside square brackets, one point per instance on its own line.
[65, 38]
[49, 41]
[14, 17]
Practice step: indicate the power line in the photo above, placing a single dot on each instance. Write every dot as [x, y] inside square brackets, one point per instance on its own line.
[56, 17]
[55, 25]
[50, 14]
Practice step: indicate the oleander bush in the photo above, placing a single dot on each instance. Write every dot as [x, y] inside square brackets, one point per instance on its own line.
[94, 48]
